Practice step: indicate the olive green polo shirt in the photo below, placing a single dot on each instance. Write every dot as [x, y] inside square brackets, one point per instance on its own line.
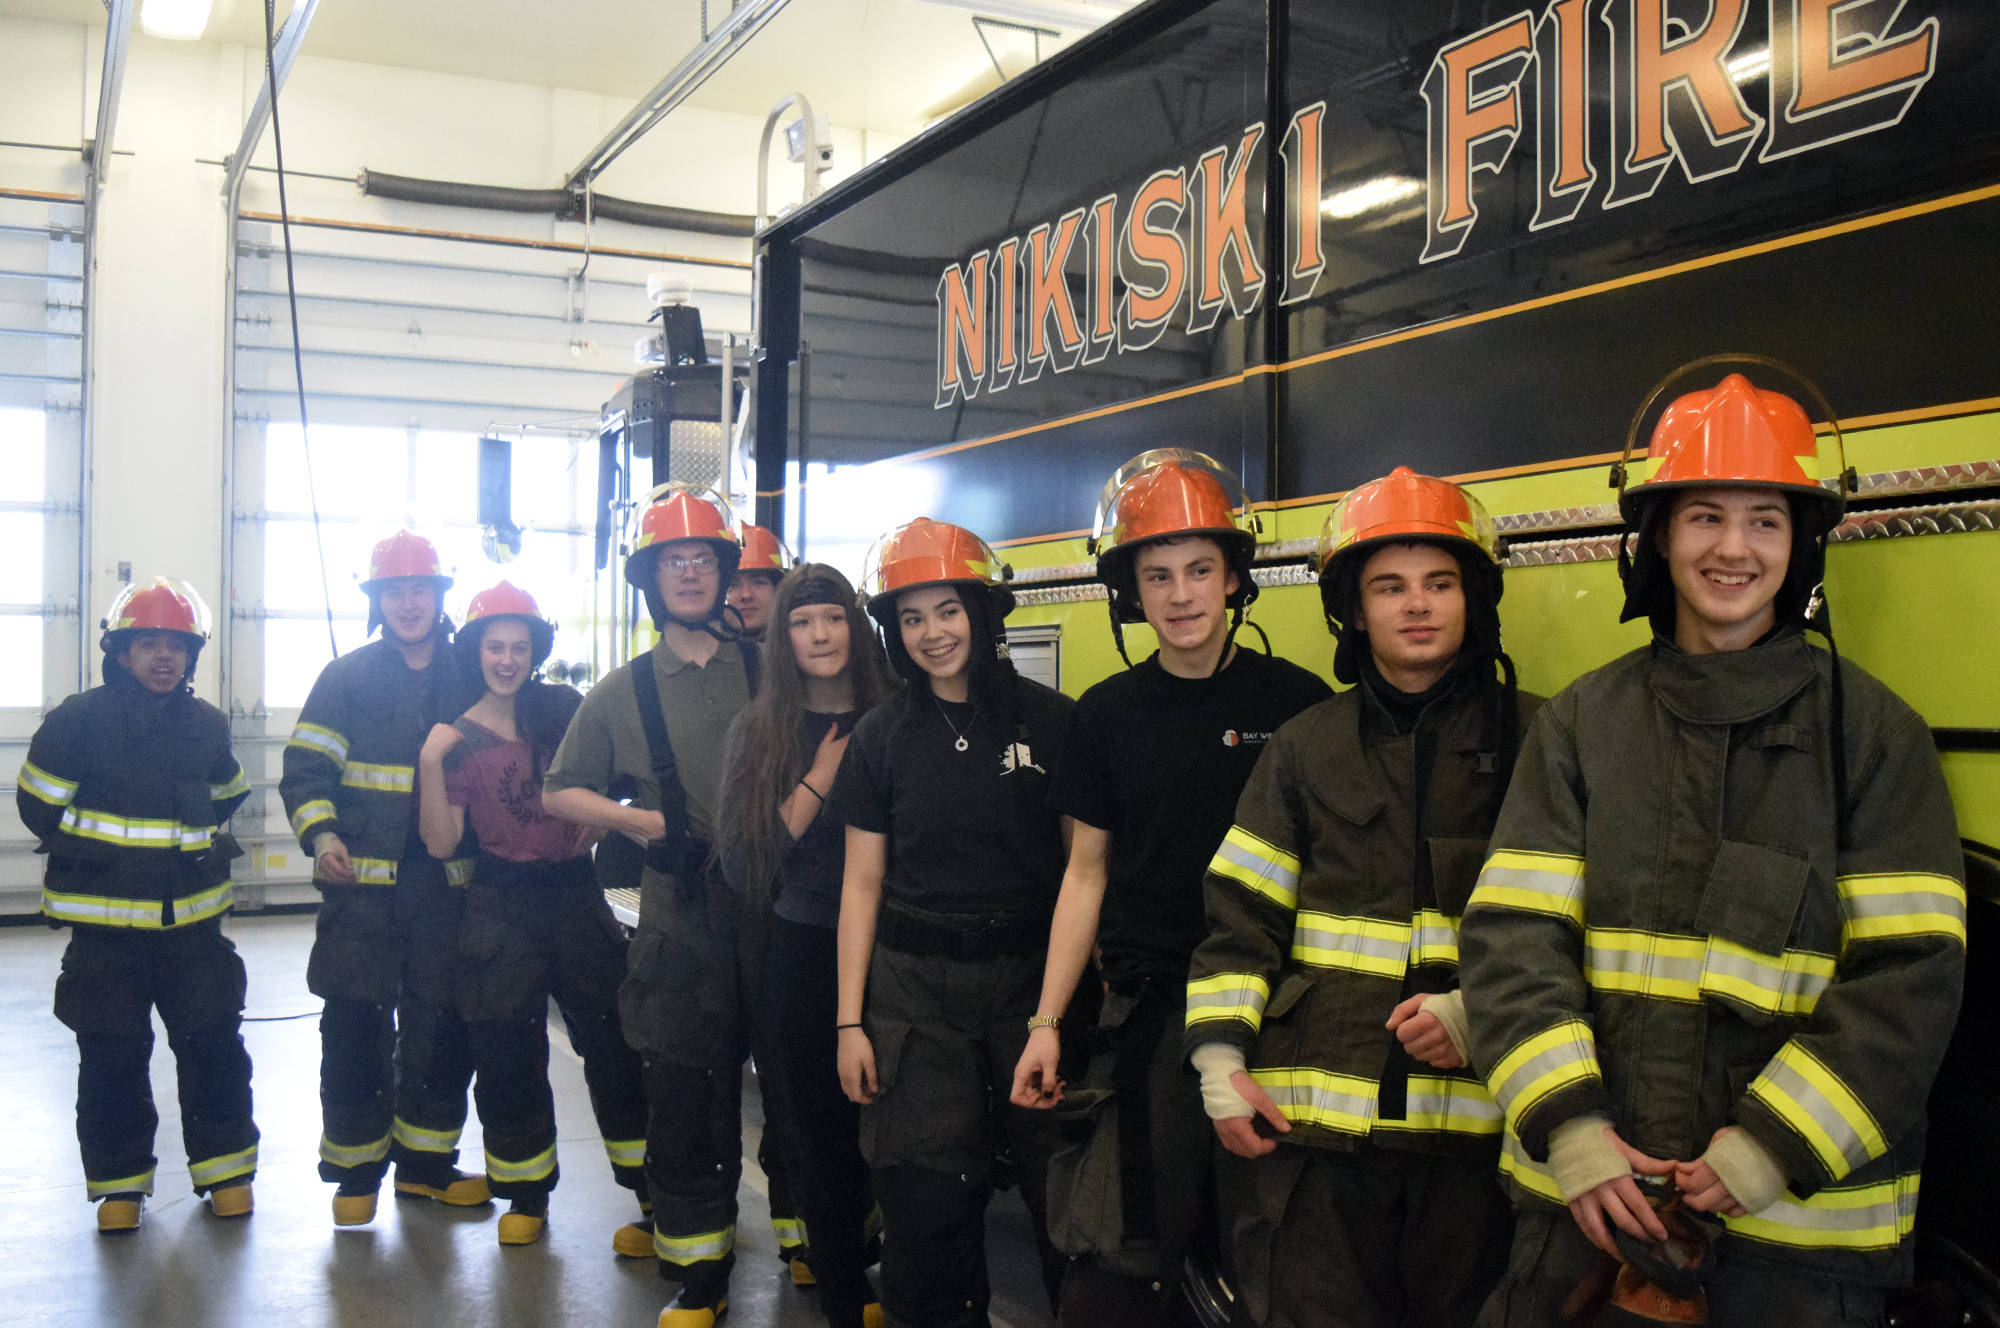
[607, 740]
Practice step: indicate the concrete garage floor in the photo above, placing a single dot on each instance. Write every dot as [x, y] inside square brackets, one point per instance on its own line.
[419, 1263]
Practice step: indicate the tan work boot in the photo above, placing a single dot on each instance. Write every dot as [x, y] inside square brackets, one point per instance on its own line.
[683, 1311]
[802, 1273]
[634, 1240]
[232, 1201]
[120, 1213]
[523, 1224]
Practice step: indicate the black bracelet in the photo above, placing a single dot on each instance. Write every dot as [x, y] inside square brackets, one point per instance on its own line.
[840, 1027]
[822, 800]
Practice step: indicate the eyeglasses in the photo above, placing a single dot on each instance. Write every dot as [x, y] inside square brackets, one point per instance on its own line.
[701, 562]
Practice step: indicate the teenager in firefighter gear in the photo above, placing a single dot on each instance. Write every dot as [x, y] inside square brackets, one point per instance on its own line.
[536, 924]
[127, 787]
[1720, 940]
[1150, 772]
[953, 858]
[656, 726]
[783, 855]
[764, 560]
[394, 1061]
[1322, 1010]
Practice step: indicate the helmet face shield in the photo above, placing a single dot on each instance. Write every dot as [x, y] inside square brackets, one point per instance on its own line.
[763, 551]
[404, 555]
[163, 604]
[683, 511]
[1736, 432]
[1404, 506]
[924, 552]
[1165, 492]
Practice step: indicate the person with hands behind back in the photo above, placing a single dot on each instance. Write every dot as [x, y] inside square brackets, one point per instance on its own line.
[953, 859]
[782, 853]
[1151, 770]
[535, 925]
[1719, 945]
[1322, 1009]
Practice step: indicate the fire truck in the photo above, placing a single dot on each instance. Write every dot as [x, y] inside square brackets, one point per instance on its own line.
[1318, 240]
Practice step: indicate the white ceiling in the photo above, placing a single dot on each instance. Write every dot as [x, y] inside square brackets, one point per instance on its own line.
[865, 64]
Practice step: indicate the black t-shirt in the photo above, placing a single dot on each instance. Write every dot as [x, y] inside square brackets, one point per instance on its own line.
[971, 833]
[809, 892]
[1159, 761]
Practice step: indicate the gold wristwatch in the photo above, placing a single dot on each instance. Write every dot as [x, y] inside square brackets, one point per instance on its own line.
[1036, 1021]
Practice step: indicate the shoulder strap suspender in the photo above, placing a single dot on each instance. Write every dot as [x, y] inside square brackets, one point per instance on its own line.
[659, 747]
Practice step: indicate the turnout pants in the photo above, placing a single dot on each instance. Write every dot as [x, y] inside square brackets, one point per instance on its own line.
[1553, 1264]
[1375, 1238]
[686, 1007]
[532, 932]
[111, 982]
[395, 1062]
[1139, 1202]
[816, 1127]
[947, 1033]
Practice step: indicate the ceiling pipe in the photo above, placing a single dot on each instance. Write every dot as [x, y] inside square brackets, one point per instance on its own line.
[117, 42]
[681, 81]
[559, 203]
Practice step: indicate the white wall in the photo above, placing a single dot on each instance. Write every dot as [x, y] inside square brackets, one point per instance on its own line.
[156, 401]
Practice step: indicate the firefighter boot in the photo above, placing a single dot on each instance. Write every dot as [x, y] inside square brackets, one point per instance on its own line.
[524, 1222]
[354, 1207]
[634, 1240]
[120, 1213]
[801, 1268]
[696, 1306]
[231, 1201]
[449, 1186]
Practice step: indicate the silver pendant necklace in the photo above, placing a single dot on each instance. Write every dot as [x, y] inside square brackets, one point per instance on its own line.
[963, 744]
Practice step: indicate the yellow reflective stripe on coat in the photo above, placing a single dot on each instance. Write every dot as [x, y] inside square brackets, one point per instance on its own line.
[51, 789]
[1364, 945]
[352, 1155]
[144, 914]
[1549, 883]
[1228, 996]
[310, 814]
[539, 1167]
[1434, 938]
[1259, 867]
[379, 778]
[320, 740]
[211, 1172]
[1546, 1063]
[626, 1152]
[139, 1184]
[703, 1247]
[229, 788]
[1311, 1096]
[1820, 1108]
[423, 1140]
[1687, 968]
[135, 831]
[1859, 1217]
[1436, 1103]
[1524, 1171]
[373, 871]
[1886, 905]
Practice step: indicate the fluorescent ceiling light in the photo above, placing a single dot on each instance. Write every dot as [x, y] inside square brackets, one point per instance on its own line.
[1750, 66]
[175, 20]
[1380, 192]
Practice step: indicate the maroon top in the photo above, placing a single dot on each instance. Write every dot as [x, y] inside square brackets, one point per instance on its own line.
[499, 785]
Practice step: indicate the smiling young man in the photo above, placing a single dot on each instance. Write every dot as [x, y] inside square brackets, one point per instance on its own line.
[127, 786]
[394, 1061]
[1718, 948]
[1322, 1012]
[1150, 770]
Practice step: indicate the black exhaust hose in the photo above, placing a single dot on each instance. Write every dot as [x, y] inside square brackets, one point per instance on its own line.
[551, 202]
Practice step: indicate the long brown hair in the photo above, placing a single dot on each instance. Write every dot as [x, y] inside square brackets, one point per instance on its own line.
[773, 753]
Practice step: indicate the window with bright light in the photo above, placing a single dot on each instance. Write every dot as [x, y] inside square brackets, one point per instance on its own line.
[371, 482]
[23, 459]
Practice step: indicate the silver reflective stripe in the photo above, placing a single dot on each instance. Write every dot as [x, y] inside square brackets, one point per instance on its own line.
[423, 1140]
[538, 1167]
[213, 1171]
[352, 1155]
[693, 1249]
[139, 1184]
[1366, 944]
[50, 789]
